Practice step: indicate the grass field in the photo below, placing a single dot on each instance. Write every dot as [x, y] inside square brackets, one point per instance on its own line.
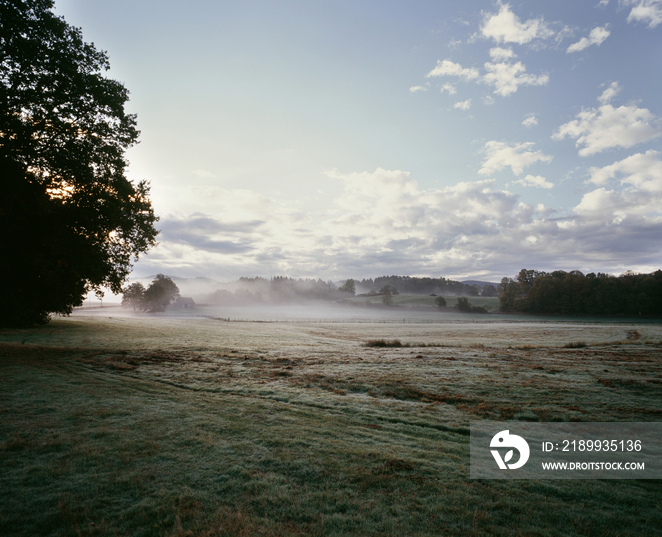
[191, 426]
[424, 301]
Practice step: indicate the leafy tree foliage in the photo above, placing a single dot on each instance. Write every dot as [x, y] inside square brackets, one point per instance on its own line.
[489, 291]
[349, 286]
[413, 285]
[160, 294]
[388, 290]
[70, 218]
[561, 292]
[465, 306]
[133, 296]
[440, 301]
[387, 293]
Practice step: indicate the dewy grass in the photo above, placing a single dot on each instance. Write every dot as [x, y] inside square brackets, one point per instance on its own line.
[202, 428]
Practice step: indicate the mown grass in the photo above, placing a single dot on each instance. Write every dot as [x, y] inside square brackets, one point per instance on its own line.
[300, 431]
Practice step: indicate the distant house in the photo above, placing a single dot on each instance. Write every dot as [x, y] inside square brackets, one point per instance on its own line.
[184, 302]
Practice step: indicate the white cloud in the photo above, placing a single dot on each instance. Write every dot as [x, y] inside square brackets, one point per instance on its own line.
[603, 3]
[637, 205]
[649, 11]
[611, 92]
[538, 181]
[498, 53]
[596, 37]
[414, 89]
[454, 44]
[500, 155]
[642, 170]
[612, 207]
[507, 77]
[606, 127]
[463, 105]
[448, 68]
[383, 222]
[488, 100]
[506, 27]
[530, 120]
[449, 88]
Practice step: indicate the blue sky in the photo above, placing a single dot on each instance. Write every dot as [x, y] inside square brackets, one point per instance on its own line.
[361, 138]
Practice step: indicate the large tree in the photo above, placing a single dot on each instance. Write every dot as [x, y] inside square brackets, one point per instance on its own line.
[160, 294]
[70, 220]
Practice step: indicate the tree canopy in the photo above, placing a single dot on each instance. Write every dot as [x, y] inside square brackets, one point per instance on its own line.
[156, 298]
[71, 220]
[160, 294]
[349, 286]
[571, 293]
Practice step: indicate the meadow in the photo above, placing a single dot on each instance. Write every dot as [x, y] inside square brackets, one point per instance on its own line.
[175, 425]
[424, 301]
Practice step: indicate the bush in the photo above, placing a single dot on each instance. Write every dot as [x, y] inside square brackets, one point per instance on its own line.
[464, 306]
[382, 343]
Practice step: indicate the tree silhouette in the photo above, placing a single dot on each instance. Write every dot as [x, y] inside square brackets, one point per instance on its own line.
[133, 296]
[160, 293]
[71, 221]
[349, 286]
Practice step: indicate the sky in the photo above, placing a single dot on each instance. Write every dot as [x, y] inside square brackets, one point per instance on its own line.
[361, 138]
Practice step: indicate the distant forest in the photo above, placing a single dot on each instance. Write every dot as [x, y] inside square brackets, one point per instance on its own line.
[281, 289]
[561, 292]
[409, 285]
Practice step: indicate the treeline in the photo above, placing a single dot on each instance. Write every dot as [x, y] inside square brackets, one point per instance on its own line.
[280, 289]
[411, 285]
[561, 292]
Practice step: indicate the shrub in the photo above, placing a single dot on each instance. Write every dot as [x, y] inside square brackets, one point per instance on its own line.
[382, 343]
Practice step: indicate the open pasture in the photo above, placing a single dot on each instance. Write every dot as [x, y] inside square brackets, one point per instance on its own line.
[132, 425]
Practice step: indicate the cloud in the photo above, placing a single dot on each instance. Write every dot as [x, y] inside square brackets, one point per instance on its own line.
[506, 27]
[637, 205]
[603, 3]
[200, 232]
[448, 68]
[414, 89]
[607, 127]
[500, 155]
[463, 105]
[596, 37]
[530, 120]
[537, 181]
[498, 53]
[384, 222]
[642, 170]
[649, 11]
[608, 94]
[449, 88]
[507, 77]
[454, 44]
